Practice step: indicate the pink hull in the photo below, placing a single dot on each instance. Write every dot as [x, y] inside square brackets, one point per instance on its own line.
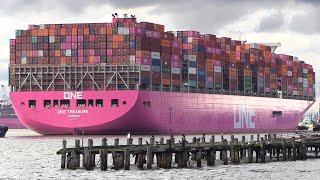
[167, 112]
[12, 123]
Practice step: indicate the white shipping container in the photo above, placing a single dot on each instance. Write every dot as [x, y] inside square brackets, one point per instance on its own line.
[175, 70]
[145, 67]
[132, 58]
[300, 79]
[305, 82]
[155, 55]
[23, 60]
[305, 71]
[41, 26]
[126, 31]
[217, 69]
[289, 73]
[23, 53]
[190, 39]
[120, 30]
[295, 58]
[40, 53]
[190, 57]
[192, 70]
[51, 39]
[295, 93]
[68, 52]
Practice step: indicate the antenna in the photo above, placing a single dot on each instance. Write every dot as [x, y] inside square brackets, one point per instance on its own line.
[116, 14]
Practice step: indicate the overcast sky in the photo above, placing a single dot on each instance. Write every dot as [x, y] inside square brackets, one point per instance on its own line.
[294, 23]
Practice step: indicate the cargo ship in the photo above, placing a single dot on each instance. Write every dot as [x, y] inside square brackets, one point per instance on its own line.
[7, 114]
[128, 76]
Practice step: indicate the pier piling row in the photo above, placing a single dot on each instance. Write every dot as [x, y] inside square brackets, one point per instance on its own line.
[169, 153]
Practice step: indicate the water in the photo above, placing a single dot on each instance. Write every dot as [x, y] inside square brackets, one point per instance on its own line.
[27, 155]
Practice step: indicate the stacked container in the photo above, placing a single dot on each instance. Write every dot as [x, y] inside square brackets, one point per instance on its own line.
[168, 61]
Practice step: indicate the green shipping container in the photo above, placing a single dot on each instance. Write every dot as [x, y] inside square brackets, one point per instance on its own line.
[273, 91]
[192, 83]
[34, 39]
[114, 30]
[247, 83]
[57, 46]
[18, 33]
[218, 86]
[126, 38]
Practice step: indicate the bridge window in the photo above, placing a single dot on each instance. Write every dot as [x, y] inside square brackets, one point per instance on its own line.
[148, 103]
[124, 102]
[99, 103]
[55, 103]
[47, 103]
[276, 113]
[22, 103]
[90, 102]
[32, 103]
[81, 103]
[65, 103]
[114, 102]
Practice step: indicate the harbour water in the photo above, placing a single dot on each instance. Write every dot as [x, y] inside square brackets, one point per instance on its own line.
[27, 155]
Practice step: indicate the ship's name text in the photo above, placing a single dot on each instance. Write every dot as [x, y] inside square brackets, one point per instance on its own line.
[243, 117]
[72, 95]
[72, 111]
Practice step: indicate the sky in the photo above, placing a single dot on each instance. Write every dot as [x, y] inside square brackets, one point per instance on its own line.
[293, 23]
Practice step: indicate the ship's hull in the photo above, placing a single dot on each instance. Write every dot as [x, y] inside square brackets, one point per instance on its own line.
[145, 112]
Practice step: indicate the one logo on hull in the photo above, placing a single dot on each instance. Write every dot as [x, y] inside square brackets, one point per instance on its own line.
[72, 95]
[243, 117]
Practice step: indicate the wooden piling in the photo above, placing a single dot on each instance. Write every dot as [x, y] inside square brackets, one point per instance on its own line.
[63, 154]
[262, 151]
[224, 152]
[149, 157]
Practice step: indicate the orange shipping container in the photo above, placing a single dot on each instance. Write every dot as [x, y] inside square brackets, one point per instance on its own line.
[91, 59]
[74, 32]
[29, 53]
[267, 70]
[34, 32]
[165, 43]
[166, 82]
[63, 32]
[57, 53]
[109, 31]
[86, 31]
[63, 60]
[103, 31]
[247, 72]
[233, 73]
[51, 32]
[145, 54]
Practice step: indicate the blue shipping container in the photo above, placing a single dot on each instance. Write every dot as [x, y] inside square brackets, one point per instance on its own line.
[155, 62]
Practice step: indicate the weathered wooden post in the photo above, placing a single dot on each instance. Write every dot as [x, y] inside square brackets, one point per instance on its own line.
[193, 155]
[63, 154]
[149, 157]
[104, 155]
[304, 148]
[284, 149]
[234, 151]
[243, 151]
[77, 147]
[198, 154]
[211, 154]
[249, 149]
[263, 150]
[127, 155]
[224, 152]
[294, 149]
[161, 140]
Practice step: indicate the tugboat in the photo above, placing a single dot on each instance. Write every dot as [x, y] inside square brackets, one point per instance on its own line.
[3, 130]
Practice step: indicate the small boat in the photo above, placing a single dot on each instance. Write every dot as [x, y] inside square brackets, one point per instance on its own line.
[3, 130]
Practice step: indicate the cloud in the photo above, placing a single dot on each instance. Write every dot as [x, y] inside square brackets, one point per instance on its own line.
[271, 23]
